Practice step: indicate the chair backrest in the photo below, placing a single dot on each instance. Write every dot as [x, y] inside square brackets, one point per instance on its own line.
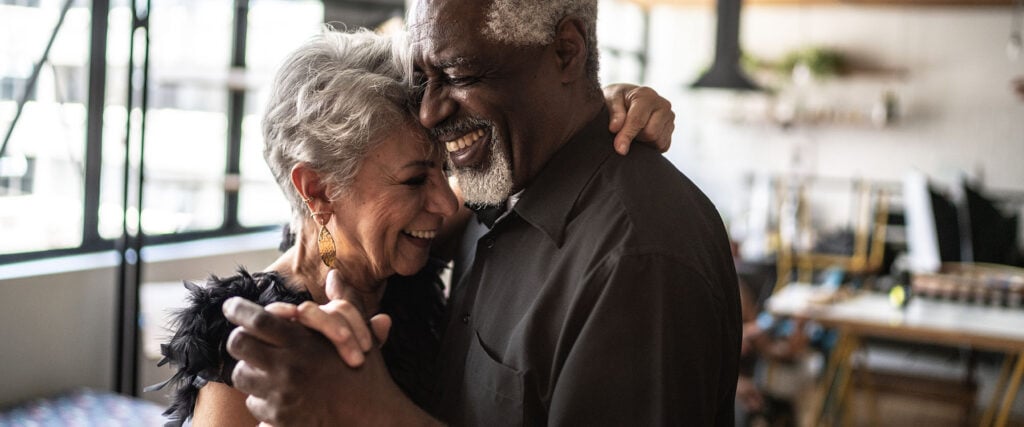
[858, 247]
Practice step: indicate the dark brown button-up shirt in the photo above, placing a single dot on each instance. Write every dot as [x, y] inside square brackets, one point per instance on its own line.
[606, 296]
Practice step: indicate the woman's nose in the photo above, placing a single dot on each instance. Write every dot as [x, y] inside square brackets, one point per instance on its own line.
[441, 200]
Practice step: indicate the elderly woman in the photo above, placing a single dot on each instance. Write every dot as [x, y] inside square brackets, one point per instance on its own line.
[368, 196]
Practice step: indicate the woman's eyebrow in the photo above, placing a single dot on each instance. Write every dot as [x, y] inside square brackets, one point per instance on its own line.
[419, 164]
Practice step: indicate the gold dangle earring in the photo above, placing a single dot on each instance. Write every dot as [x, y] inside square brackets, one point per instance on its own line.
[324, 240]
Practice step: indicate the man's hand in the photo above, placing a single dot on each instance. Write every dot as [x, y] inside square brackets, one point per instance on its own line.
[340, 321]
[639, 112]
[293, 375]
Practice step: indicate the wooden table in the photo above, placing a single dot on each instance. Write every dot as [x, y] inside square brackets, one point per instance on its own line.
[921, 321]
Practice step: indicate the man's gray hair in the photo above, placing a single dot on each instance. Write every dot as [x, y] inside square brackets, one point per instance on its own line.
[332, 100]
[534, 22]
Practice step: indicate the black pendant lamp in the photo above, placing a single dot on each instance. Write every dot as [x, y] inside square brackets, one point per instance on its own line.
[725, 72]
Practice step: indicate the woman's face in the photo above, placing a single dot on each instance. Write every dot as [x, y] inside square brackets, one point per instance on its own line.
[393, 209]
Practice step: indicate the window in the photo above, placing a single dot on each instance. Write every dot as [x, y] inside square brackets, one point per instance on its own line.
[622, 42]
[13, 88]
[187, 123]
[25, 3]
[17, 174]
[276, 27]
[204, 171]
[42, 169]
[70, 83]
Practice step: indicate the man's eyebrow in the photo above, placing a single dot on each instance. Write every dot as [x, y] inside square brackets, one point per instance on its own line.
[459, 61]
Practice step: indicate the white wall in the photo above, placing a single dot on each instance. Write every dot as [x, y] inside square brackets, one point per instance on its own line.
[57, 330]
[959, 113]
[57, 315]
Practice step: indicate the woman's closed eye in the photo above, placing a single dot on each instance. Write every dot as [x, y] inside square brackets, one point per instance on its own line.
[416, 181]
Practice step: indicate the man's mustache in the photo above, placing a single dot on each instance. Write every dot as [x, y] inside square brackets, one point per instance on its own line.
[459, 126]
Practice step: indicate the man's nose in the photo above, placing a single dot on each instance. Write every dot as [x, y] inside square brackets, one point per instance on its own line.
[436, 106]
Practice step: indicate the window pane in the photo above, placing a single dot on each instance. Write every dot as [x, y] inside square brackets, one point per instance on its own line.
[620, 35]
[42, 171]
[114, 117]
[276, 27]
[186, 134]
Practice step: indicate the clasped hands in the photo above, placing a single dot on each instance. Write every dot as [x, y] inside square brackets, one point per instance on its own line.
[289, 365]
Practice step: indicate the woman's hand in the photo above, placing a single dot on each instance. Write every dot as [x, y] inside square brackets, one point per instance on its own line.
[341, 321]
[293, 376]
[639, 112]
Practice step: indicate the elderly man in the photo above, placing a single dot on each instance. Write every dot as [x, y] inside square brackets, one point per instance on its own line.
[594, 289]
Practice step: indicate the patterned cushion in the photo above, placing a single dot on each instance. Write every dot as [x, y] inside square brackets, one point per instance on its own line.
[83, 408]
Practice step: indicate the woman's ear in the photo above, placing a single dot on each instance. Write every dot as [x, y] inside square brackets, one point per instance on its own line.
[571, 48]
[309, 185]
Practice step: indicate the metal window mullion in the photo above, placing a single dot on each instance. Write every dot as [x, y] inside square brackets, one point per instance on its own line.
[94, 122]
[132, 238]
[236, 112]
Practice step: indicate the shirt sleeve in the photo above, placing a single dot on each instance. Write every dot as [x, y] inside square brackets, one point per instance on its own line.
[659, 347]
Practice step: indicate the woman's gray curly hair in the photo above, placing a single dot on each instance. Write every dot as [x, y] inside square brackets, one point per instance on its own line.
[332, 100]
[533, 22]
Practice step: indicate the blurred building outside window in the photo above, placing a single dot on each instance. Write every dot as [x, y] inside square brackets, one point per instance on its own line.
[276, 27]
[42, 172]
[621, 39]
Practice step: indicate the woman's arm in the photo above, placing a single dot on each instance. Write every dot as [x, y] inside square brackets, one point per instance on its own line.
[221, 405]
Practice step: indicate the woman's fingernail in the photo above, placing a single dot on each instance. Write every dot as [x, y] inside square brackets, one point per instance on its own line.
[356, 356]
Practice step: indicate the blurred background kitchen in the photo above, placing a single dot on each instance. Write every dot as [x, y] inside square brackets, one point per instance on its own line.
[867, 157]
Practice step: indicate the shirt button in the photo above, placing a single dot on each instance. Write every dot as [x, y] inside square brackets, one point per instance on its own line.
[489, 242]
[465, 319]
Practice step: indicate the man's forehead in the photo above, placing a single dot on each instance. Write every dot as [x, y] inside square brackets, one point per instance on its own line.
[437, 20]
[446, 47]
[449, 8]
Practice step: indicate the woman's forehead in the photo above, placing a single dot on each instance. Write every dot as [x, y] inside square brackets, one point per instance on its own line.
[405, 144]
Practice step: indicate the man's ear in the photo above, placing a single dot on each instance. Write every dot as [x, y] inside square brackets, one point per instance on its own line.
[571, 48]
[309, 185]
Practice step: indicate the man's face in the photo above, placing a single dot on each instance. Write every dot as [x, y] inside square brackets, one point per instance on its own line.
[488, 102]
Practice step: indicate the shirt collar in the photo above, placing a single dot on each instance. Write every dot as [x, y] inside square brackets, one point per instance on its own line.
[549, 199]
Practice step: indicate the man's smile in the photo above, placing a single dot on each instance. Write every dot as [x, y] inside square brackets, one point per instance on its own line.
[469, 150]
[464, 141]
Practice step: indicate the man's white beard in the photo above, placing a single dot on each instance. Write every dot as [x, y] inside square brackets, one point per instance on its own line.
[490, 186]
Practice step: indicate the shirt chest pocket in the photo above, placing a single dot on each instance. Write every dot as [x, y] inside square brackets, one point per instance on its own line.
[492, 392]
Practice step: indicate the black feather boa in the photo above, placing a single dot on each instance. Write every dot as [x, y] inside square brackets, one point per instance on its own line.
[198, 347]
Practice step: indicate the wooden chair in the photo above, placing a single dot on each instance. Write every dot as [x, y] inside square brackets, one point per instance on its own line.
[795, 222]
